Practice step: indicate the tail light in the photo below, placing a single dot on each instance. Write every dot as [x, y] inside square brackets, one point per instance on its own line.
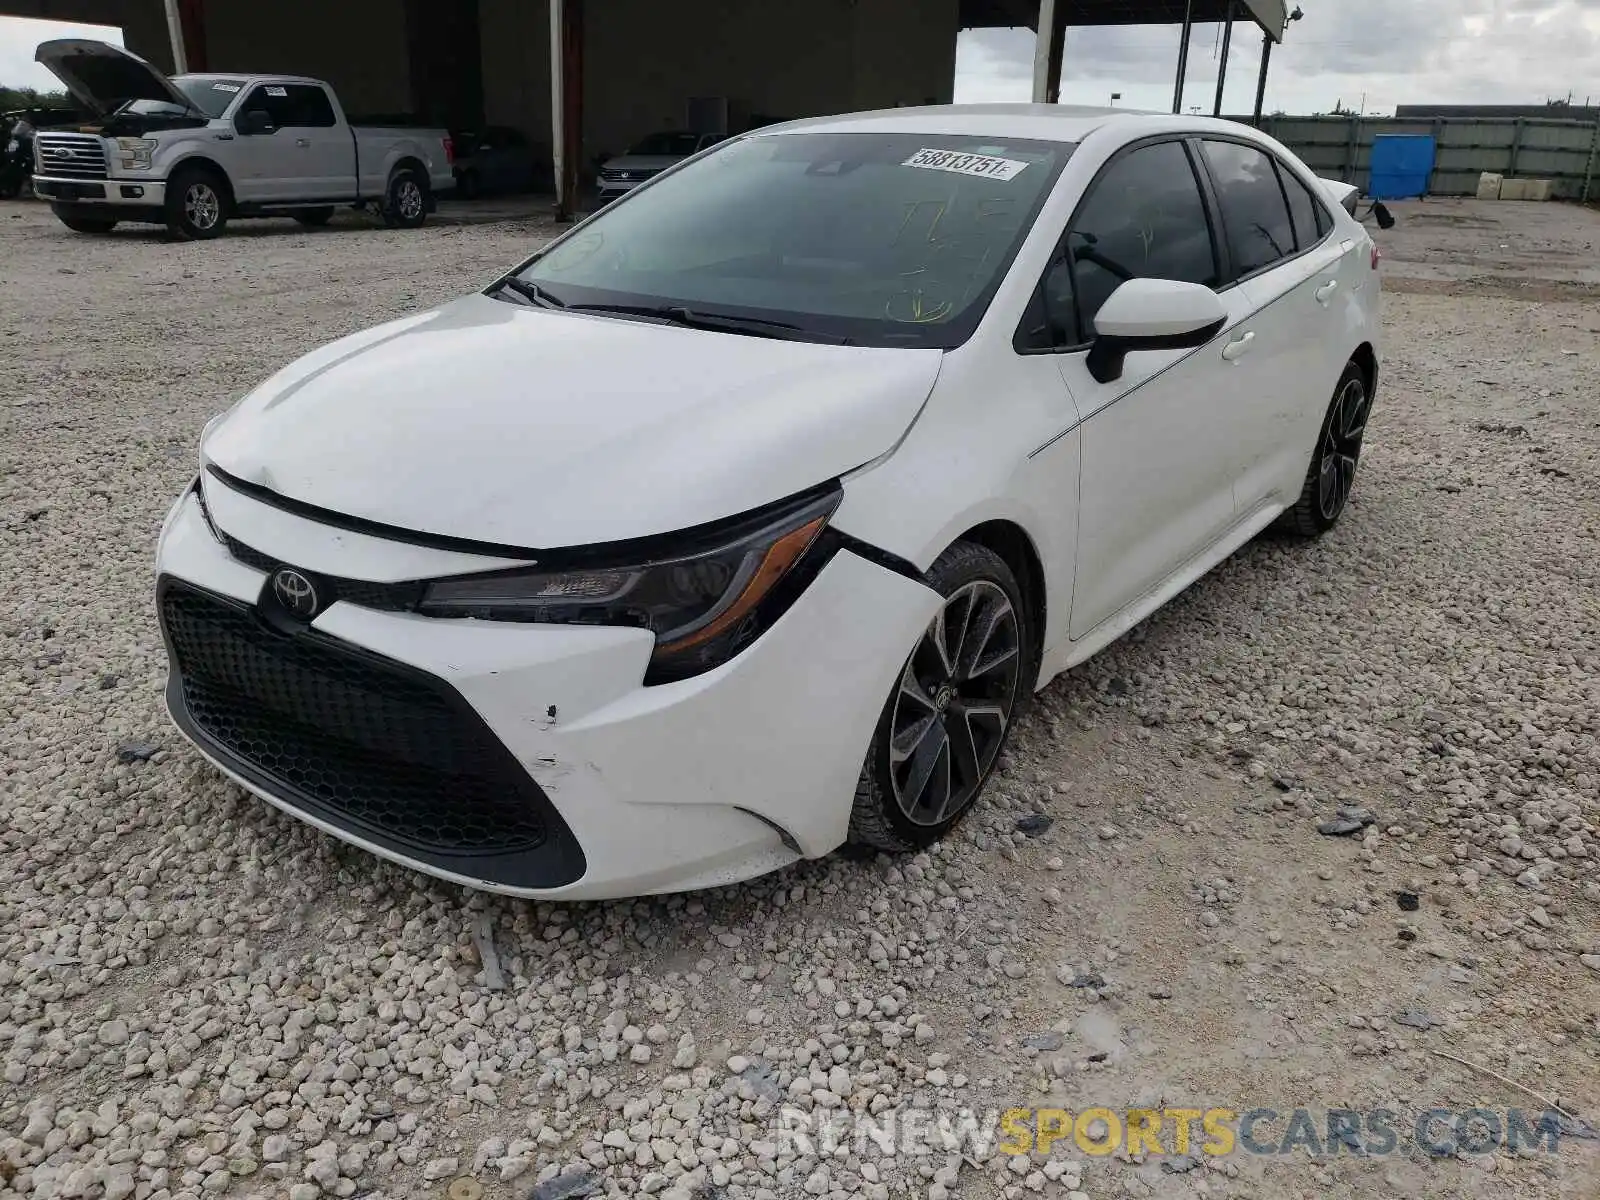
[449, 151]
[1377, 256]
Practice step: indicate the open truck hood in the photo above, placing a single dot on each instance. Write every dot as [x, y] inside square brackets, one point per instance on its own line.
[103, 77]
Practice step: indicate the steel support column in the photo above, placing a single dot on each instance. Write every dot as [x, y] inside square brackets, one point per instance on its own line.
[180, 54]
[1183, 57]
[1058, 47]
[1041, 51]
[1222, 67]
[1261, 84]
[566, 101]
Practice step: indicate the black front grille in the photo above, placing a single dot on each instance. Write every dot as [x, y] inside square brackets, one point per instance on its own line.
[380, 749]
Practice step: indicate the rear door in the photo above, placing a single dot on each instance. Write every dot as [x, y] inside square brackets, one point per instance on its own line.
[326, 158]
[1286, 260]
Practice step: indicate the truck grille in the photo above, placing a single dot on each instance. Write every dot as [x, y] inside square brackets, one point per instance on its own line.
[70, 156]
[375, 747]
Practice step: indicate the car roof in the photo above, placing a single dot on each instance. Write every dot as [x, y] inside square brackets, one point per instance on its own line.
[1044, 122]
[247, 78]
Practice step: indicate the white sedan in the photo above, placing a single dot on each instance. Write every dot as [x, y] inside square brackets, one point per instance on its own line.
[738, 522]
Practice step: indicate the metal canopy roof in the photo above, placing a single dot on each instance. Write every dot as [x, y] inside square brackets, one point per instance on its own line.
[1271, 15]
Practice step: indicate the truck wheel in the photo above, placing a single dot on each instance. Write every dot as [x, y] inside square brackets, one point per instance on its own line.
[405, 201]
[79, 223]
[315, 218]
[197, 204]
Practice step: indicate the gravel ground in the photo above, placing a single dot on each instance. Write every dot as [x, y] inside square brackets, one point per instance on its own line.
[201, 997]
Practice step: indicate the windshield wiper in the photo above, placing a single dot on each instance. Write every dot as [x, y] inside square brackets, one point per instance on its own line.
[677, 314]
[531, 292]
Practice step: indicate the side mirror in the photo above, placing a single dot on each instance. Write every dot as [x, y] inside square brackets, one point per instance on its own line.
[1152, 314]
[254, 121]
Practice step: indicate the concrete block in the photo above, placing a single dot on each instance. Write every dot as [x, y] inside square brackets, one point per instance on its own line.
[1526, 189]
[1489, 185]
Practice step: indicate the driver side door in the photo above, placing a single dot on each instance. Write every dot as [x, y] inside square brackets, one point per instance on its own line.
[1158, 443]
[267, 162]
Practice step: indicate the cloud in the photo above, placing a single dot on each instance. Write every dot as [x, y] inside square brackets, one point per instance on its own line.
[1441, 51]
[20, 35]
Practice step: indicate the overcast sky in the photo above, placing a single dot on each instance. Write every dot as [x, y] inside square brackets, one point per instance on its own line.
[1393, 51]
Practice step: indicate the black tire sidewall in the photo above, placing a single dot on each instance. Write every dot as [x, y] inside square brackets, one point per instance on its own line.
[79, 223]
[963, 563]
[178, 222]
[1311, 501]
[391, 200]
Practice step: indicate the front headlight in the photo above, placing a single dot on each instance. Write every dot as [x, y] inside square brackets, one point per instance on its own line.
[135, 152]
[704, 603]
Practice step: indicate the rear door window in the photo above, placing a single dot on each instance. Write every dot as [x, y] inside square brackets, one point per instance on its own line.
[1255, 212]
[309, 106]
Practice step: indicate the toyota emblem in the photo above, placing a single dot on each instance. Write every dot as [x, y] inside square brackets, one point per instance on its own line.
[295, 592]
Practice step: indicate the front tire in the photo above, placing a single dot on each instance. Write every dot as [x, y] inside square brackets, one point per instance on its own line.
[197, 205]
[79, 223]
[952, 707]
[1332, 473]
[405, 200]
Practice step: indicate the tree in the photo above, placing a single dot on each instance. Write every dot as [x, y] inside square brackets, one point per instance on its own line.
[27, 97]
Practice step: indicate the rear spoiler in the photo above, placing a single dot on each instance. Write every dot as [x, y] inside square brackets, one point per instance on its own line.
[1343, 194]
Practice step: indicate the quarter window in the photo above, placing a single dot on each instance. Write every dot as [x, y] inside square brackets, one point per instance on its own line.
[1255, 213]
[1144, 219]
[1311, 222]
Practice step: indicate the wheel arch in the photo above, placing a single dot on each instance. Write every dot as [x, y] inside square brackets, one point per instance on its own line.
[1366, 357]
[411, 161]
[210, 165]
[1013, 544]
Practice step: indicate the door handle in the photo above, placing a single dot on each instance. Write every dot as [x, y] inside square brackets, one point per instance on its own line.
[302, 141]
[1326, 291]
[1239, 347]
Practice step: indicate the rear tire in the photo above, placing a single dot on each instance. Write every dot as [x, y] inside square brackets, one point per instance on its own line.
[405, 200]
[950, 713]
[81, 223]
[315, 218]
[1331, 476]
[197, 204]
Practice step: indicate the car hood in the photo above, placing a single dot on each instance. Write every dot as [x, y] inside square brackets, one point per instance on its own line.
[528, 427]
[103, 77]
[643, 162]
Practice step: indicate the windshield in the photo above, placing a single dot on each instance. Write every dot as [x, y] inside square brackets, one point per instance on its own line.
[884, 239]
[208, 93]
[680, 144]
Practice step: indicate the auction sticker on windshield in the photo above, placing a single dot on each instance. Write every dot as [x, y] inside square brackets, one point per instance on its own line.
[984, 165]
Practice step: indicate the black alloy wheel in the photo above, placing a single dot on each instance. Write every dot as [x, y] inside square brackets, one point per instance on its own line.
[952, 707]
[1332, 474]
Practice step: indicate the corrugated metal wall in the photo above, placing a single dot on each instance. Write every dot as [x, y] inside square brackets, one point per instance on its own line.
[1566, 152]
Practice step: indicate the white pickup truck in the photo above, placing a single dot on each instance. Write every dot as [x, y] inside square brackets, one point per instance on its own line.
[193, 151]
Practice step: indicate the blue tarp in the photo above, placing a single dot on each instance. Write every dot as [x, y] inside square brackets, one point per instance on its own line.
[1401, 165]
